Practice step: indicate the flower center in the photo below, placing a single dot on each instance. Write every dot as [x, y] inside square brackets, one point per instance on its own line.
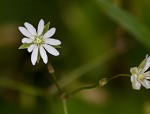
[38, 40]
[141, 76]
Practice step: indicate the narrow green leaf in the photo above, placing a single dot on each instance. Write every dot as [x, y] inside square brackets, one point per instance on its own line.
[127, 21]
[24, 46]
[46, 27]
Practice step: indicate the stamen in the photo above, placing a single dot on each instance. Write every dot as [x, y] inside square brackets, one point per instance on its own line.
[38, 40]
[141, 76]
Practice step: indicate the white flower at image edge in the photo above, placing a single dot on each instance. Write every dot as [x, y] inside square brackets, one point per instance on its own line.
[39, 42]
[140, 76]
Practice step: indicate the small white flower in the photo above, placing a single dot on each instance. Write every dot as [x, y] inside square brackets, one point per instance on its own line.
[140, 76]
[39, 41]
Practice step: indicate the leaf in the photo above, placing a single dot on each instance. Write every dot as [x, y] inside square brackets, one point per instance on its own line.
[127, 21]
[24, 46]
[46, 27]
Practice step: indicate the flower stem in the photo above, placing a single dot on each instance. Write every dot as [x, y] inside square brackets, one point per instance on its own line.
[83, 88]
[118, 75]
[96, 85]
[64, 101]
[56, 83]
[62, 94]
[104, 81]
[51, 70]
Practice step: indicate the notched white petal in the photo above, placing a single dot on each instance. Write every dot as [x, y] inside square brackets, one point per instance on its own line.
[134, 70]
[34, 55]
[25, 32]
[27, 40]
[135, 83]
[31, 47]
[51, 49]
[147, 63]
[49, 33]
[146, 84]
[51, 41]
[43, 54]
[147, 74]
[30, 28]
[132, 78]
[40, 27]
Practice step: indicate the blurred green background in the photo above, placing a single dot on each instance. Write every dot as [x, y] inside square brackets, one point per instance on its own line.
[100, 38]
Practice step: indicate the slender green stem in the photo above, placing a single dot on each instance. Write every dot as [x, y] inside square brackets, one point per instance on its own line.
[104, 81]
[62, 94]
[119, 75]
[56, 83]
[95, 85]
[64, 101]
[83, 88]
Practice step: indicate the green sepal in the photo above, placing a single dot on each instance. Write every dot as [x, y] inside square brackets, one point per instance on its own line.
[24, 46]
[46, 27]
[38, 58]
[57, 46]
[142, 64]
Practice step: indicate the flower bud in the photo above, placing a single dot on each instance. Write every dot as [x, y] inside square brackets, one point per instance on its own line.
[50, 69]
[103, 81]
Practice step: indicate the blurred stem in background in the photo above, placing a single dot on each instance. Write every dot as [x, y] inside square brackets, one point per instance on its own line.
[126, 20]
[21, 87]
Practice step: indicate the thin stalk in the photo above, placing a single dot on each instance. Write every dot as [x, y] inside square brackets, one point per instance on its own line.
[119, 75]
[64, 101]
[56, 83]
[83, 88]
[60, 91]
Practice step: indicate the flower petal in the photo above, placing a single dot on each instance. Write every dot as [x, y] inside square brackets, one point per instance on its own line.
[146, 83]
[43, 54]
[52, 41]
[51, 49]
[135, 83]
[134, 70]
[147, 77]
[25, 32]
[34, 55]
[31, 47]
[40, 27]
[49, 33]
[27, 40]
[147, 63]
[30, 28]
[147, 74]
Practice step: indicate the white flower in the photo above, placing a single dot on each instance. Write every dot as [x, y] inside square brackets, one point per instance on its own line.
[39, 41]
[140, 76]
